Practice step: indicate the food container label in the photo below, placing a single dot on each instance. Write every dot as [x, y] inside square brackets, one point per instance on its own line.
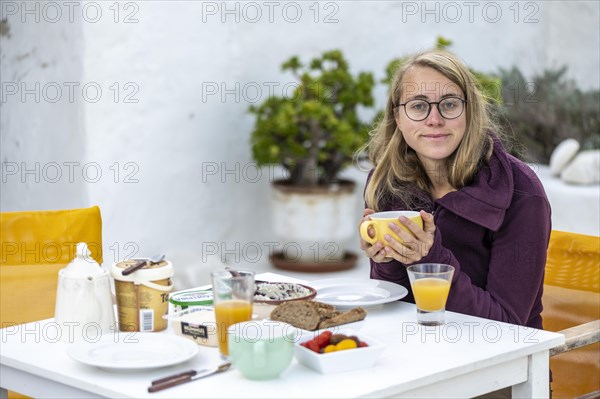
[194, 330]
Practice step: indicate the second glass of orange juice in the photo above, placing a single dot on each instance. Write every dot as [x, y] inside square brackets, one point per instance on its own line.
[430, 283]
[233, 294]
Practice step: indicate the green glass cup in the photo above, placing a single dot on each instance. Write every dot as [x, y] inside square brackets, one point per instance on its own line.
[261, 349]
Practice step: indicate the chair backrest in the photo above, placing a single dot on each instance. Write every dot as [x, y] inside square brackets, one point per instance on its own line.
[571, 298]
[573, 261]
[34, 247]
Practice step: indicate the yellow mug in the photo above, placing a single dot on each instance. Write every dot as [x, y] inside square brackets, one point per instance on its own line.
[380, 222]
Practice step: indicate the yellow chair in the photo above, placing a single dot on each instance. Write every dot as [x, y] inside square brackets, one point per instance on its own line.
[34, 247]
[572, 306]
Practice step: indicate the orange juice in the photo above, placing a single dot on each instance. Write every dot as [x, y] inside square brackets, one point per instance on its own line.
[228, 313]
[431, 293]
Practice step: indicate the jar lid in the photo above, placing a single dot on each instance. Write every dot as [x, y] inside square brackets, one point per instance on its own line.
[192, 298]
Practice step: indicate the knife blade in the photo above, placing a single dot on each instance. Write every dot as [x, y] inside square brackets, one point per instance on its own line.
[185, 377]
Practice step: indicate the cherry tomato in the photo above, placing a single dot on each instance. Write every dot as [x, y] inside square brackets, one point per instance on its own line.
[323, 339]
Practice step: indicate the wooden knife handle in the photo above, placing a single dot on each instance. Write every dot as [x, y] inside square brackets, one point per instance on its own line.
[134, 267]
[189, 373]
[169, 383]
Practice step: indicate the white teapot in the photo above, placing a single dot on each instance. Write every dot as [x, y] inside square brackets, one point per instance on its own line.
[84, 304]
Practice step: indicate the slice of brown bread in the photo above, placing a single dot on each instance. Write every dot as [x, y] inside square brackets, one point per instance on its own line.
[313, 315]
[300, 314]
[323, 307]
[325, 311]
[350, 316]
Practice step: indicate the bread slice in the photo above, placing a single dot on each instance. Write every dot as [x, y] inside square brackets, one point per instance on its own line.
[300, 314]
[350, 316]
[325, 311]
[312, 315]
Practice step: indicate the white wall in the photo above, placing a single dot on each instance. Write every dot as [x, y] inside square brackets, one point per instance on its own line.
[42, 134]
[167, 142]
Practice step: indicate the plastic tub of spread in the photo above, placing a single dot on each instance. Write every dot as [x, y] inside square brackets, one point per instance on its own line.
[197, 324]
[183, 300]
[143, 296]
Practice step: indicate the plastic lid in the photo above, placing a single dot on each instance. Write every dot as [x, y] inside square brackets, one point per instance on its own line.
[192, 298]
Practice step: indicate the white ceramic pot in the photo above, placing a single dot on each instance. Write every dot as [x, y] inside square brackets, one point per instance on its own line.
[314, 224]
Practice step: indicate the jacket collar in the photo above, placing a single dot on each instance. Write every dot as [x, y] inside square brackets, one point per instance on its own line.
[485, 201]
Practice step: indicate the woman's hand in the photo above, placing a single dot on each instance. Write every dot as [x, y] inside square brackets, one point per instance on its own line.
[413, 249]
[375, 251]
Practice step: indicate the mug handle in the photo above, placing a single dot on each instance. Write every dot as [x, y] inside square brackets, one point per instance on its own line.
[260, 354]
[364, 231]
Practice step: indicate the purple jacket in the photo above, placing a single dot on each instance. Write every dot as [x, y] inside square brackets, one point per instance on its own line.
[495, 232]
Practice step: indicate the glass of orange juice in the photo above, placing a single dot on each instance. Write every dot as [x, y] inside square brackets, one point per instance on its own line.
[233, 293]
[430, 283]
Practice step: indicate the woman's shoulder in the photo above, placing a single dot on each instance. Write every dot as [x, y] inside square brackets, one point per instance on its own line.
[524, 178]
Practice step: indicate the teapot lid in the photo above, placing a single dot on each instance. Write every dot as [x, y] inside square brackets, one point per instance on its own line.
[83, 265]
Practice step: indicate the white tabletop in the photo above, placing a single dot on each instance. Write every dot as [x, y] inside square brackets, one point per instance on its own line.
[465, 357]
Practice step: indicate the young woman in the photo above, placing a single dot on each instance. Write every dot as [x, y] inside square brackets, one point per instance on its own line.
[484, 211]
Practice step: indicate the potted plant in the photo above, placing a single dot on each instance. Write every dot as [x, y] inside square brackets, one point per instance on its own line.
[313, 134]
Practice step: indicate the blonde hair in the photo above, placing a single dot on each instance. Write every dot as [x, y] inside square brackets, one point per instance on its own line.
[397, 167]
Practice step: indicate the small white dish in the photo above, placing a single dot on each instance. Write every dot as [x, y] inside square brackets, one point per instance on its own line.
[340, 361]
[133, 351]
[346, 293]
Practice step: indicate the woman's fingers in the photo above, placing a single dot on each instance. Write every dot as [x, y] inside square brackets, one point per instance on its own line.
[408, 249]
[370, 250]
[411, 247]
[428, 223]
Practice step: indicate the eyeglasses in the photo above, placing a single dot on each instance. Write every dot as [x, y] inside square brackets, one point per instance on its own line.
[449, 108]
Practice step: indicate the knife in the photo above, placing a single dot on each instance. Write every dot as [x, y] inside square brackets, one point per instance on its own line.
[182, 378]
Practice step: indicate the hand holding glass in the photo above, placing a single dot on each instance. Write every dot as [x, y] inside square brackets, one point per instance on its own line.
[430, 283]
[232, 297]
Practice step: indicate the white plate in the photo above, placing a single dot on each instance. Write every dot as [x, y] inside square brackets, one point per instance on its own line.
[133, 351]
[351, 292]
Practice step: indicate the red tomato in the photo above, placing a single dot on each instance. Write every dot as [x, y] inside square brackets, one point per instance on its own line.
[313, 346]
[323, 339]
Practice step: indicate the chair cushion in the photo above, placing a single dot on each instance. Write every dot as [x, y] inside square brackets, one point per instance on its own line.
[562, 155]
[584, 169]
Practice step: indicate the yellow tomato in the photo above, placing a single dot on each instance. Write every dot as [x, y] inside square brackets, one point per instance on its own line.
[329, 348]
[346, 344]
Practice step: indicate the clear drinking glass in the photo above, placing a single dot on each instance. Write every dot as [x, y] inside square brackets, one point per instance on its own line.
[430, 283]
[233, 294]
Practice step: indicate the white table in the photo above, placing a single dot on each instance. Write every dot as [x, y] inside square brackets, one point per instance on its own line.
[466, 357]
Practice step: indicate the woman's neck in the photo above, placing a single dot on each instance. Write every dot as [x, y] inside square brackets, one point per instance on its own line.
[438, 191]
[438, 176]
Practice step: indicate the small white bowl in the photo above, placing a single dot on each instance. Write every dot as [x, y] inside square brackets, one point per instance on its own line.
[337, 362]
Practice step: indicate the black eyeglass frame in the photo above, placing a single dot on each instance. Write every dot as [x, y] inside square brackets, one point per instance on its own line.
[437, 105]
